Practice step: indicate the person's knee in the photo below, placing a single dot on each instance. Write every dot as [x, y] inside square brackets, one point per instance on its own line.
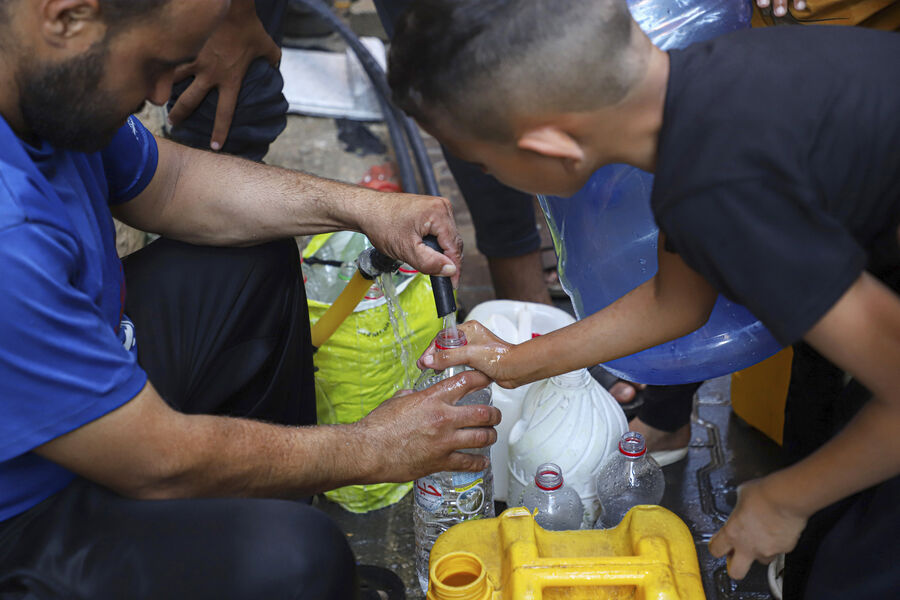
[295, 551]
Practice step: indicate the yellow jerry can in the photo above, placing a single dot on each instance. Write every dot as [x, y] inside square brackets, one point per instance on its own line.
[650, 555]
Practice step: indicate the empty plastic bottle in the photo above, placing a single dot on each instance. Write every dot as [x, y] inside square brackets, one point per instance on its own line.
[325, 267]
[559, 506]
[629, 478]
[447, 498]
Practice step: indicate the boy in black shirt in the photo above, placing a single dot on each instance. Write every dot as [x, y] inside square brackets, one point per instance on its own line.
[777, 169]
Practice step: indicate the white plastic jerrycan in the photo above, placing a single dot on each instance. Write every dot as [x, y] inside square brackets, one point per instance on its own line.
[569, 420]
[514, 322]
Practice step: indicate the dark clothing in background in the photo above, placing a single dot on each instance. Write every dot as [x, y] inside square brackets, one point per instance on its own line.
[261, 112]
[225, 331]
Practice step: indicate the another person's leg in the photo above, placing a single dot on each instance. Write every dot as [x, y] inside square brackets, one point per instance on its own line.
[87, 542]
[224, 330]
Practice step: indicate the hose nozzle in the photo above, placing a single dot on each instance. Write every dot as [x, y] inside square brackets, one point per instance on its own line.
[373, 263]
[444, 301]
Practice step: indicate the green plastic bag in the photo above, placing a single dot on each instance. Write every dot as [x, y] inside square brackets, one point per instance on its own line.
[359, 367]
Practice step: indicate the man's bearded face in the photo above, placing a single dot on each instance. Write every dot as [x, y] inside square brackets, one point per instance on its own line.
[64, 104]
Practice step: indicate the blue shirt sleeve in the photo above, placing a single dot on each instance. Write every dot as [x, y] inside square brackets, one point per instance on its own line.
[61, 364]
[130, 161]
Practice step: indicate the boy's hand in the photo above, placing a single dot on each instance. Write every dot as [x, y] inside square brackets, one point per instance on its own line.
[759, 528]
[483, 352]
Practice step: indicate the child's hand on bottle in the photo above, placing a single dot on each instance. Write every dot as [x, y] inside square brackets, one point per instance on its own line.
[759, 528]
[483, 351]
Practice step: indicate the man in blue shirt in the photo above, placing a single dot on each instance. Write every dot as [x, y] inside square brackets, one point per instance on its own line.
[105, 398]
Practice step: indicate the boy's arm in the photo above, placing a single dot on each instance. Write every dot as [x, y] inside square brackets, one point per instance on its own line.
[218, 200]
[675, 302]
[861, 333]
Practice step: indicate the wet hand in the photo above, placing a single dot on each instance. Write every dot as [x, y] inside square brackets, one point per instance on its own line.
[398, 223]
[222, 63]
[414, 434]
[759, 528]
[779, 7]
[483, 351]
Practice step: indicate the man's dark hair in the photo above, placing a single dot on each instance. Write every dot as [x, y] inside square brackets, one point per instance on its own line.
[478, 61]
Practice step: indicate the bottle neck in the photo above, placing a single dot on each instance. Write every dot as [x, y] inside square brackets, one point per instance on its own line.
[448, 339]
[573, 379]
[548, 477]
[632, 445]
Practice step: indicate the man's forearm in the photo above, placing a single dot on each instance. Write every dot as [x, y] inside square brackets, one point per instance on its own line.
[240, 457]
[211, 199]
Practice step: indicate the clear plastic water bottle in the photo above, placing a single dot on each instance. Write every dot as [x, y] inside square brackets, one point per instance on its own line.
[447, 498]
[326, 281]
[630, 478]
[559, 506]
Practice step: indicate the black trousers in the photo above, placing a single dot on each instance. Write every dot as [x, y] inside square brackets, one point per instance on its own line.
[221, 331]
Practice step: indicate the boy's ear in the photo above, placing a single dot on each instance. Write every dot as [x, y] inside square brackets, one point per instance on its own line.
[550, 140]
[63, 21]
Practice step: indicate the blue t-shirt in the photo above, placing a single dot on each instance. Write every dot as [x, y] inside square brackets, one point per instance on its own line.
[63, 334]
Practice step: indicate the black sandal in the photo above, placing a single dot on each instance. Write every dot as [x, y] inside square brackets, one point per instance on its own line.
[379, 583]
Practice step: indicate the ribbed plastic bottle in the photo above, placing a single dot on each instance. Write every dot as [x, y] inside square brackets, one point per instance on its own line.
[630, 478]
[559, 506]
[323, 281]
[447, 498]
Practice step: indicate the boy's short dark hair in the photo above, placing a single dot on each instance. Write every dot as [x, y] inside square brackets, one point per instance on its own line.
[478, 60]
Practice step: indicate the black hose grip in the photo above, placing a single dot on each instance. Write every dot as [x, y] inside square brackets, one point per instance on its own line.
[441, 286]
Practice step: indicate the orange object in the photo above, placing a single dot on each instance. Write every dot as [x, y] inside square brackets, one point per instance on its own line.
[759, 393]
[650, 555]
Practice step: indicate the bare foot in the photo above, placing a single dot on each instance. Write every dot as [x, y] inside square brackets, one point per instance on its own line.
[624, 391]
[658, 439]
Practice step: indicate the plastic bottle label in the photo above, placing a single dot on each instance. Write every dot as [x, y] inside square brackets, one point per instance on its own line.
[471, 501]
[463, 480]
[428, 494]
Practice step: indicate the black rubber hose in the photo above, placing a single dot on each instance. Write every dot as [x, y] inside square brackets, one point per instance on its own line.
[442, 287]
